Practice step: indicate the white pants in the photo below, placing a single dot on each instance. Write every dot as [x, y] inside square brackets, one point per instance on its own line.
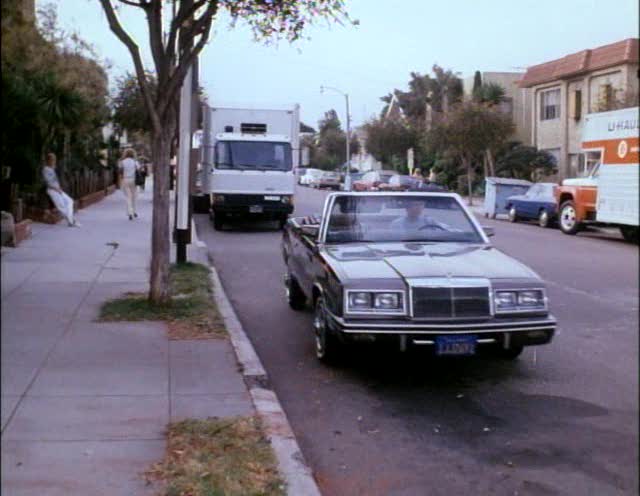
[63, 202]
[129, 189]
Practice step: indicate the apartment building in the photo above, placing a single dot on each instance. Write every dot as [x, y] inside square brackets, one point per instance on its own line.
[516, 104]
[564, 90]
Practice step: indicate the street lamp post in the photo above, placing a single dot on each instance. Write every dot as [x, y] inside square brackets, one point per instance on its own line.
[347, 177]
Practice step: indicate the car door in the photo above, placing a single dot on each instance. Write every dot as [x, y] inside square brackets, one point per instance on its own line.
[529, 203]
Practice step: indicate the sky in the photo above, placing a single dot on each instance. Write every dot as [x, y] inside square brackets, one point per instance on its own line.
[368, 61]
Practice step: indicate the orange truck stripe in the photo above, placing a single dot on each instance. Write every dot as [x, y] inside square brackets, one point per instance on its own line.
[616, 151]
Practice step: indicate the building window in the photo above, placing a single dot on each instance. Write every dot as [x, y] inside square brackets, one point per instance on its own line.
[575, 105]
[606, 97]
[550, 105]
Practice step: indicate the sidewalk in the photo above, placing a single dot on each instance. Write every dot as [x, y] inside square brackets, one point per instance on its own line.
[85, 404]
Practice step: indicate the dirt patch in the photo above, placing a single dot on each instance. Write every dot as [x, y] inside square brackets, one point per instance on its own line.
[230, 457]
[191, 313]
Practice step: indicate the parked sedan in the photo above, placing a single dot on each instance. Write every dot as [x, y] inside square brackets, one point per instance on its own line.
[410, 270]
[309, 176]
[372, 180]
[328, 179]
[538, 203]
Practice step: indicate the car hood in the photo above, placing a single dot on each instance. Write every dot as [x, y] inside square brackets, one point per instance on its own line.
[418, 260]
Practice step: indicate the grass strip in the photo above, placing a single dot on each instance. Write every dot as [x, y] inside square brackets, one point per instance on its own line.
[191, 313]
[217, 457]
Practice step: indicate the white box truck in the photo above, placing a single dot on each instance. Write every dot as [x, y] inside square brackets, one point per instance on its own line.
[609, 195]
[248, 159]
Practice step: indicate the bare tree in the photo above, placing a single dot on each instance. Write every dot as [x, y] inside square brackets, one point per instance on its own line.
[174, 48]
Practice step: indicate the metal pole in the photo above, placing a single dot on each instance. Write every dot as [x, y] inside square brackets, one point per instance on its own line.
[182, 226]
[347, 178]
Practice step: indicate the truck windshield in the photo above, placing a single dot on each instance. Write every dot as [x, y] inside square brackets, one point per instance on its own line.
[253, 155]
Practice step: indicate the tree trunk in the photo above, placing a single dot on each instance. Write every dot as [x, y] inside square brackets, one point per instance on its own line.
[160, 241]
[467, 164]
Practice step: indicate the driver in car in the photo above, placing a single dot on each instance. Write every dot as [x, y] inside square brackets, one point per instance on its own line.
[415, 220]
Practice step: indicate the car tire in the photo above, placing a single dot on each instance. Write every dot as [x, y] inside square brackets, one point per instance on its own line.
[327, 345]
[513, 214]
[218, 221]
[544, 220]
[509, 353]
[567, 218]
[295, 297]
[630, 233]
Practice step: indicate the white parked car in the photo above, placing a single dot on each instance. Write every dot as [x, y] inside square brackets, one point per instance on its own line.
[328, 179]
[309, 176]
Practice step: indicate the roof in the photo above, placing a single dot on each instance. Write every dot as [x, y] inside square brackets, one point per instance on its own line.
[621, 52]
[508, 181]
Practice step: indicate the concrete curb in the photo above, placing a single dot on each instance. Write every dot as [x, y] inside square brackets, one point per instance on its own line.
[291, 463]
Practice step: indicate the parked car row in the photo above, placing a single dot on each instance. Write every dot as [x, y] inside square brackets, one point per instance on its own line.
[380, 180]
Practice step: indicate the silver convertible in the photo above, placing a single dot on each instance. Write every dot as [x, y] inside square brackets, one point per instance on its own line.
[411, 269]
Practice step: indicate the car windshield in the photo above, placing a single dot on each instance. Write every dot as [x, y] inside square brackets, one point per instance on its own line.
[253, 155]
[420, 218]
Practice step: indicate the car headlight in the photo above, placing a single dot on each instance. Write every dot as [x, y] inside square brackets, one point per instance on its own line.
[533, 298]
[374, 302]
[386, 300]
[519, 300]
[287, 199]
[359, 300]
[505, 300]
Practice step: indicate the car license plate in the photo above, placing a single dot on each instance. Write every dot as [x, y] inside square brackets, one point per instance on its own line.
[255, 209]
[463, 344]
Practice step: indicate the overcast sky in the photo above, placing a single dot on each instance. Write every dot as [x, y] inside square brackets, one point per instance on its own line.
[368, 61]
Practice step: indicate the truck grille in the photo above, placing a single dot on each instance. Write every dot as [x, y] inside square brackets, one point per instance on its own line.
[443, 302]
[244, 199]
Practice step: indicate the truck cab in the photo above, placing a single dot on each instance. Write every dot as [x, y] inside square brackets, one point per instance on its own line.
[250, 157]
[608, 195]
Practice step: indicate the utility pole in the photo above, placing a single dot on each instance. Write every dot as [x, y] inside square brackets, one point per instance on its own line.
[182, 222]
[347, 177]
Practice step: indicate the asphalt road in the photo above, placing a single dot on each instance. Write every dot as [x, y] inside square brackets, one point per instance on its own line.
[563, 419]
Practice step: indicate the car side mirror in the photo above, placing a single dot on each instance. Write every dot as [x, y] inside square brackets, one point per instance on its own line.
[310, 230]
[489, 231]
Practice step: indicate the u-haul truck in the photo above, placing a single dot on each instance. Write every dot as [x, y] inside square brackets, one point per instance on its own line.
[610, 193]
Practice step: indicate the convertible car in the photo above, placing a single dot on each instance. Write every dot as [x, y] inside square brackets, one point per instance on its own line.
[410, 269]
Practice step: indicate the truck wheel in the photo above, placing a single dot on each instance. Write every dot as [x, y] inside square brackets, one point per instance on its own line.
[569, 224]
[513, 214]
[218, 221]
[327, 345]
[630, 233]
[295, 296]
[543, 219]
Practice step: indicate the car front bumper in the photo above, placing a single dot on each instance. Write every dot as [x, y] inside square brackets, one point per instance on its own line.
[504, 332]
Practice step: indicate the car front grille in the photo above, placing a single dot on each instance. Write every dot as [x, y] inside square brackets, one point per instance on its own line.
[447, 302]
[244, 199]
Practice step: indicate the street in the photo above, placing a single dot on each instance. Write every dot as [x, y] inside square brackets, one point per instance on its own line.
[563, 419]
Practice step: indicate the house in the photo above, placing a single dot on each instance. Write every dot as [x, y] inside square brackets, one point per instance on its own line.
[564, 90]
[516, 104]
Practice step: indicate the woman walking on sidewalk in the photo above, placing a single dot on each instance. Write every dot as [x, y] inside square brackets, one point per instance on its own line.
[128, 168]
[62, 201]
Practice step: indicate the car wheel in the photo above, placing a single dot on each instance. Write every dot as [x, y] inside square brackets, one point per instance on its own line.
[218, 221]
[509, 353]
[630, 233]
[569, 223]
[295, 296]
[513, 215]
[543, 219]
[327, 346]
